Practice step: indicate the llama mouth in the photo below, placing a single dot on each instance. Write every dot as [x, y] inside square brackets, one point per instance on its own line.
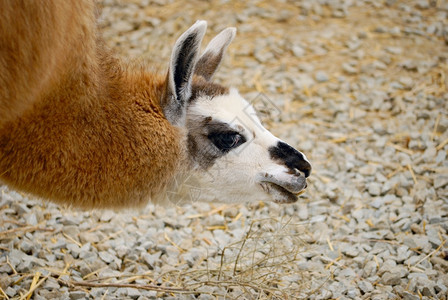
[280, 194]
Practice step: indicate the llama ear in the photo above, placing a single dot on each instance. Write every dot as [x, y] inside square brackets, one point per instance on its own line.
[180, 73]
[212, 56]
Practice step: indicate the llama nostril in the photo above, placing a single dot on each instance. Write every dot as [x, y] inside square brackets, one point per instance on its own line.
[307, 169]
[303, 167]
[293, 159]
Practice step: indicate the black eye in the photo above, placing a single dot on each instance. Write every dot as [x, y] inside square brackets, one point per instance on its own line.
[225, 141]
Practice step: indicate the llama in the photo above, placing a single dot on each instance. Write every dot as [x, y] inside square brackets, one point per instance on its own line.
[79, 126]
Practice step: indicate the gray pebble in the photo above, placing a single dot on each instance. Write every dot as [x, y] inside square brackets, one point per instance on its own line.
[409, 296]
[107, 215]
[133, 293]
[374, 188]
[298, 51]
[348, 272]
[151, 259]
[89, 237]
[391, 278]
[321, 76]
[75, 295]
[349, 69]
[106, 256]
[365, 286]
[440, 181]
[370, 268]
[10, 292]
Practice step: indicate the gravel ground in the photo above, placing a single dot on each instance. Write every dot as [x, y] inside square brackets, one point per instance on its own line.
[359, 86]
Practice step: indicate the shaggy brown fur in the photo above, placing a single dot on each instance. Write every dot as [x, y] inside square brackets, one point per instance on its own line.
[77, 126]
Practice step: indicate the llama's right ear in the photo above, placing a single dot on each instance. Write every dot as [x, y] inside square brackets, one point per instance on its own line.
[180, 73]
[213, 54]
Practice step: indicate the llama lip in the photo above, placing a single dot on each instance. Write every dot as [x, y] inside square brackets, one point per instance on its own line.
[281, 194]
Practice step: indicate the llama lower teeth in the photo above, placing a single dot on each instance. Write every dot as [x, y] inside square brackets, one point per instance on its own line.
[300, 193]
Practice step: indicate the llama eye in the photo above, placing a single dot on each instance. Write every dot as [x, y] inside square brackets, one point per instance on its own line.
[225, 141]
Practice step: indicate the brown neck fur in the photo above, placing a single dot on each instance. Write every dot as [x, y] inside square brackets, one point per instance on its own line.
[77, 126]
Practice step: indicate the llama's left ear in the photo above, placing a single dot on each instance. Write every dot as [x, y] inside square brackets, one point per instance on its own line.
[180, 73]
[212, 56]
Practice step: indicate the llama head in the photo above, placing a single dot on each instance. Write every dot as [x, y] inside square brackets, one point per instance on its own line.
[234, 158]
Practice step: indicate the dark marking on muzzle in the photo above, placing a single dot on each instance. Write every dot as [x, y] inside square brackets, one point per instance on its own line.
[292, 158]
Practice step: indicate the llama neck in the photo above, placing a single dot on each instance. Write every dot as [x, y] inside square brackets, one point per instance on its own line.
[97, 139]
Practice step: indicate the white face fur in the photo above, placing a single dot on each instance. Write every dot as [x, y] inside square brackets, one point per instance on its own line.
[249, 171]
[233, 157]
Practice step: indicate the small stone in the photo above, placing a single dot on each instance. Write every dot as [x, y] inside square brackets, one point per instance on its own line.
[71, 230]
[75, 295]
[27, 246]
[440, 262]
[151, 259]
[403, 253]
[440, 181]
[122, 26]
[417, 242]
[353, 293]
[51, 284]
[368, 169]
[107, 215]
[96, 293]
[305, 67]
[325, 294]
[122, 250]
[193, 256]
[221, 237]
[216, 220]
[106, 256]
[377, 202]
[441, 157]
[370, 268]
[302, 211]
[74, 250]
[407, 82]
[387, 266]
[374, 188]
[298, 51]
[394, 50]
[347, 272]
[20, 208]
[399, 271]
[133, 293]
[428, 292]
[422, 4]
[31, 219]
[10, 292]
[60, 243]
[391, 278]
[410, 242]
[365, 286]
[339, 13]
[349, 69]
[89, 237]
[321, 76]
[350, 251]
[263, 56]
[71, 220]
[408, 296]
[418, 276]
